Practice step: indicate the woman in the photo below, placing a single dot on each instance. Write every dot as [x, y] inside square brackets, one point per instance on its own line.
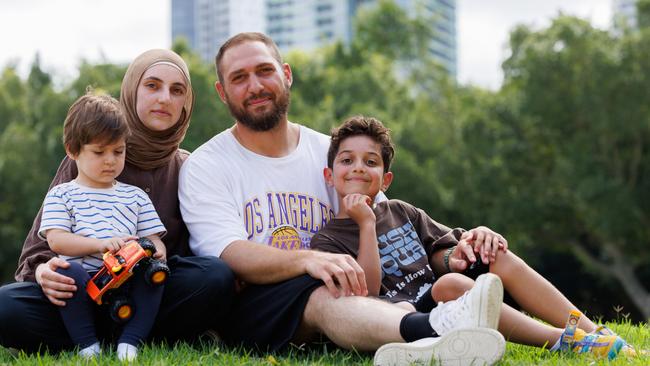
[157, 98]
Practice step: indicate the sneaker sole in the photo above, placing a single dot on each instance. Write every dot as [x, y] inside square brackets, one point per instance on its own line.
[490, 301]
[460, 347]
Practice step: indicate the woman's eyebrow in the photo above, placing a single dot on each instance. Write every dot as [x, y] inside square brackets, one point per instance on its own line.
[152, 78]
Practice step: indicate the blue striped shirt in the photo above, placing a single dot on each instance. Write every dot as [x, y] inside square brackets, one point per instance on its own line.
[101, 213]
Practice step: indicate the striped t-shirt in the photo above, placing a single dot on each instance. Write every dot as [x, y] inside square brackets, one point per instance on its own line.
[101, 213]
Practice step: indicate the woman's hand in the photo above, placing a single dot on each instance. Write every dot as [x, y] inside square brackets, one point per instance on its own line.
[485, 242]
[161, 249]
[55, 286]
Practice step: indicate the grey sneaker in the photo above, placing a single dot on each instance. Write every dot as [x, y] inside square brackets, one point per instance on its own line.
[210, 335]
[460, 347]
[479, 307]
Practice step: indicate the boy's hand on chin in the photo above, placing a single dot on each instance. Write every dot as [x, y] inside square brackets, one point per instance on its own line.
[358, 207]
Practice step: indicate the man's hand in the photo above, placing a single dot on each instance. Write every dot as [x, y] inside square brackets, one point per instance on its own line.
[341, 273]
[357, 206]
[485, 242]
[55, 286]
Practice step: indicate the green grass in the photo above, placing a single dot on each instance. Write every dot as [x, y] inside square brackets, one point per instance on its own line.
[215, 354]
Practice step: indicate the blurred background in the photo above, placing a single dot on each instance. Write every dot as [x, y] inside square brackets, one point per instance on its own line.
[531, 119]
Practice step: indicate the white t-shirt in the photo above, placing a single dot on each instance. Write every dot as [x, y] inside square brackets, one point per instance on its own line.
[229, 193]
[100, 213]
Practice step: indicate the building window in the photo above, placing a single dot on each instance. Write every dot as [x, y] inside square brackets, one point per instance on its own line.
[323, 7]
[447, 4]
[324, 21]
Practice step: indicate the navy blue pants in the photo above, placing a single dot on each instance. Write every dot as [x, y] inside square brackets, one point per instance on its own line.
[79, 316]
[197, 296]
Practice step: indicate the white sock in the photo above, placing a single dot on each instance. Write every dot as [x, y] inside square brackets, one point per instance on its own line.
[90, 351]
[126, 352]
[556, 346]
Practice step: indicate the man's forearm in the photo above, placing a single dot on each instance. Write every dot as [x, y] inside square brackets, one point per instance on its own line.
[261, 264]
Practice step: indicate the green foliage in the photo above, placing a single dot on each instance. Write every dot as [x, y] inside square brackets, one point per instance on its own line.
[209, 116]
[322, 95]
[30, 151]
[582, 95]
[105, 78]
[388, 30]
[13, 101]
[643, 13]
[586, 89]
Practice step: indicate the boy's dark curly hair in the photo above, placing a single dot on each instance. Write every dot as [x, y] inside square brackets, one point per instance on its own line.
[366, 126]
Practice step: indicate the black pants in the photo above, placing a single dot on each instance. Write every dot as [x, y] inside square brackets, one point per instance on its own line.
[266, 317]
[197, 296]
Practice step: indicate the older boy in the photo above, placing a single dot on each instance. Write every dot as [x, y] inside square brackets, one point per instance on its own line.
[403, 251]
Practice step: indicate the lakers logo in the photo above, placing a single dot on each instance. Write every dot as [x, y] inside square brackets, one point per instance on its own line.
[285, 237]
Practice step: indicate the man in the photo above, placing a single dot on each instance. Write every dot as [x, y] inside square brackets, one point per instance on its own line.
[254, 195]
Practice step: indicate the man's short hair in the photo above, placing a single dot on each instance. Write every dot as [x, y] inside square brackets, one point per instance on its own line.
[364, 126]
[243, 38]
[93, 118]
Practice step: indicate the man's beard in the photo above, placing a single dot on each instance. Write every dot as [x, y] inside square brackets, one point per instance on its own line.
[266, 121]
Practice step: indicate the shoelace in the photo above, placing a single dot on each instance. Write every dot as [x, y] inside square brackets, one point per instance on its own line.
[627, 348]
[450, 313]
[589, 341]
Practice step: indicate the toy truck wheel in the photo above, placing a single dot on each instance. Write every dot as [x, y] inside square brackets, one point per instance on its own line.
[157, 273]
[148, 246]
[121, 309]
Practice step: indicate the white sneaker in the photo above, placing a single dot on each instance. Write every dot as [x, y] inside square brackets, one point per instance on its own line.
[126, 352]
[90, 352]
[479, 307]
[460, 347]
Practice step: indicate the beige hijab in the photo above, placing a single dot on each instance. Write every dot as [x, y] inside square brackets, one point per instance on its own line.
[148, 149]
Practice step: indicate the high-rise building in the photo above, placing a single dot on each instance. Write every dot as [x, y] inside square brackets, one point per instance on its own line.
[443, 46]
[308, 24]
[206, 24]
[304, 24]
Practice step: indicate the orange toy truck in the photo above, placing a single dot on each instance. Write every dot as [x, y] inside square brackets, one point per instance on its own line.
[117, 268]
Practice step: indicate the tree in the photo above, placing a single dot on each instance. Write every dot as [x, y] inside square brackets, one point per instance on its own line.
[583, 94]
[209, 115]
[29, 154]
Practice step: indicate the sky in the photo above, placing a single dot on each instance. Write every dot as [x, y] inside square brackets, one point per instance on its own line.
[65, 31]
